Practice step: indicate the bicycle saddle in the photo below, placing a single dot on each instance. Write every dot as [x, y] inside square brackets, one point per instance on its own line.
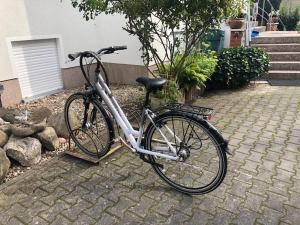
[151, 84]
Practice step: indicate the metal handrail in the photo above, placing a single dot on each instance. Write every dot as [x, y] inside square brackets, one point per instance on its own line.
[262, 16]
[272, 9]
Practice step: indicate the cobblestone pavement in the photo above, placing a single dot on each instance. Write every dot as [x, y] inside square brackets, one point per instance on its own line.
[262, 185]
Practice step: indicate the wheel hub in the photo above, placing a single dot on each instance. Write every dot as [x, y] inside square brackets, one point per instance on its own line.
[183, 153]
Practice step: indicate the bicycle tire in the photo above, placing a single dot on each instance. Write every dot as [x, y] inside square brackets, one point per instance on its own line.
[97, 109]
[212, 134]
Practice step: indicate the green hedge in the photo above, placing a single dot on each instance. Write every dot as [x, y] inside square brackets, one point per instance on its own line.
[238, 66]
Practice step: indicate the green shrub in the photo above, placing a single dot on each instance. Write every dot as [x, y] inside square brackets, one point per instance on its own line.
[238, 66]
[290, 18]
[197, 69]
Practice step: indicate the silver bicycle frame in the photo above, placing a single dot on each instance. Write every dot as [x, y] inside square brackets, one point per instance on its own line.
[126, 127]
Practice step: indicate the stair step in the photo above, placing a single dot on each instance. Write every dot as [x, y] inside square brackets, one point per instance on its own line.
[276, 40]
[291, 47]
[259, 29]
[284, 56]
[284, 75]
[278, 82]
[285, 65]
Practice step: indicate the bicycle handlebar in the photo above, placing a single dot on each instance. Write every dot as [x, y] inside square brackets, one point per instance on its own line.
[108, 50]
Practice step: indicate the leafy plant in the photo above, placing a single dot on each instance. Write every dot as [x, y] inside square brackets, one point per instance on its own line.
[238, 66]
[198, 67]
[290, 18]
[170, 93]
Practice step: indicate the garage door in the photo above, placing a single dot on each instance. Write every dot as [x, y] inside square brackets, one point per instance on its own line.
[37, 67]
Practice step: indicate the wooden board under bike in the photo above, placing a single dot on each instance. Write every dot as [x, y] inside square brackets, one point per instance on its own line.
[77, 153]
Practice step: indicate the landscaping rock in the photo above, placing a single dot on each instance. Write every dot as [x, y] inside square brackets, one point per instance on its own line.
[57, 121]
[11, 115]
[39, 115]
[62, 140]
[3, 138]
[4, 164]
[6, 129]
[3, 122]
[26, 151]
[48, 138]
[25, 130]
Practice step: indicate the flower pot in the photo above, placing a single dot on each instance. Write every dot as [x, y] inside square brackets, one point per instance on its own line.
[272, 26]
[193, 94]
[237, 23]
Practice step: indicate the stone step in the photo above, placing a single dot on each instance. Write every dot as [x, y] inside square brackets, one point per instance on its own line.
[276, 40]
[291, 47]
[284, 74]
[284, 56]
[285, 65]
[279, 82]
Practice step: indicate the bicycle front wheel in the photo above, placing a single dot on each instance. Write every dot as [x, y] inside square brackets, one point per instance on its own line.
[203, 163]
[89, 125]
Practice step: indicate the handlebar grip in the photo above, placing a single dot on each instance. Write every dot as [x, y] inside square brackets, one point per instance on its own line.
[117, 48]
[73, 56]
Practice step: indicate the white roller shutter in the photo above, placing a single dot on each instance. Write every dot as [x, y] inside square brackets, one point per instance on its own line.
[37, 66]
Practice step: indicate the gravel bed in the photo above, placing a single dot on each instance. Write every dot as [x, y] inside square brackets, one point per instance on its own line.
[130, 98]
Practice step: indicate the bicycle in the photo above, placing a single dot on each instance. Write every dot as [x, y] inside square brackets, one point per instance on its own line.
[184, 149]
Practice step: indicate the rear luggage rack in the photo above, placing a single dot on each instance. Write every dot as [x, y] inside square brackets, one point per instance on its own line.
[203, 112]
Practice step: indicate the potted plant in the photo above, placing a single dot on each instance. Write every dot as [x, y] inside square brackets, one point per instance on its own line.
[197, 70]
[272, 24]
[238, 21]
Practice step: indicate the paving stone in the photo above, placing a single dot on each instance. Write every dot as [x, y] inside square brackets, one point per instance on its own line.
[294, 200]
[250, 166]
[279, 187]
[61, 220]
[270, 216]
[106, 219]
[38, 221]
[177, 218]
[275, 201]
[199, 218]
[83, 219]
[121, 207]
[246, 218]
[142, 207]
[51, 214]
[292, 215]
[222, 217]
[100, 206]
[232, 203]
[239, 189]
[253, 202]
[73, 212]
[283, 175]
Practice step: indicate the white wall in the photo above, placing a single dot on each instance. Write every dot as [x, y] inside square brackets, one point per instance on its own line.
[13, 23]
[23, 18]
[226, 28]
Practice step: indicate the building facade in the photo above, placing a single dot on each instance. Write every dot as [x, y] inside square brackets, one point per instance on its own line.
[36, 37]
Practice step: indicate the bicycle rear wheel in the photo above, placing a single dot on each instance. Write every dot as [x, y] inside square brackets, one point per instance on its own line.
[203, 164]
[89, 125]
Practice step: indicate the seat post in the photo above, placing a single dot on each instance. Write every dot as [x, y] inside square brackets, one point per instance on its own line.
[146, 103]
